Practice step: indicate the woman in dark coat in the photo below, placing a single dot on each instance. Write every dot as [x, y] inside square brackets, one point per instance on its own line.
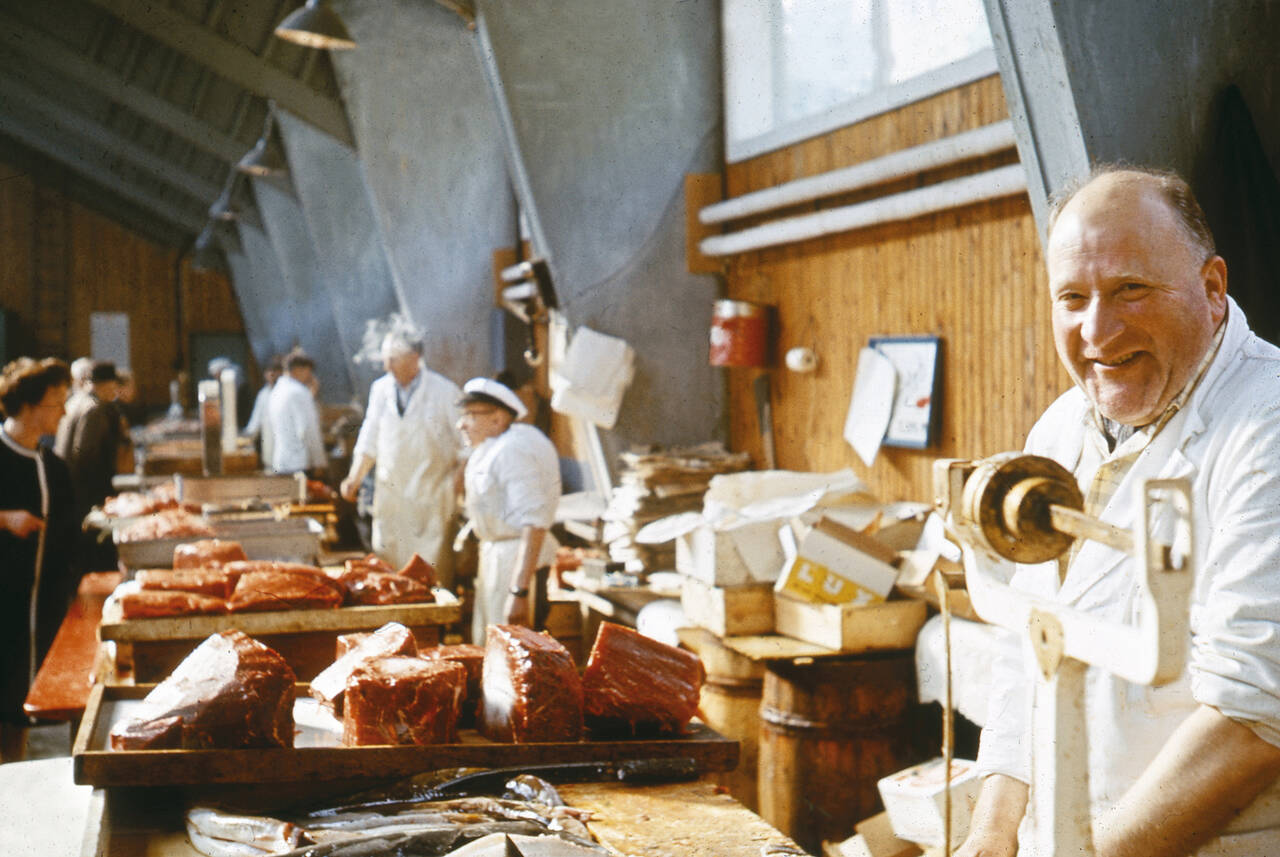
[37, 529]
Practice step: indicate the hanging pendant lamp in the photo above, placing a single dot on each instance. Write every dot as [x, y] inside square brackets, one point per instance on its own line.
[316, 25]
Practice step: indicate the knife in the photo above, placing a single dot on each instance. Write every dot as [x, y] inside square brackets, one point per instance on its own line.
[764, 418]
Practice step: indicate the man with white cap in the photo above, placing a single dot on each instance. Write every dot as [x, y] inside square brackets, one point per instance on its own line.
[512, 489]
[409, 441]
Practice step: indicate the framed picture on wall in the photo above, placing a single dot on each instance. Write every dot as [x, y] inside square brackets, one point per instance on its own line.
[916, 408]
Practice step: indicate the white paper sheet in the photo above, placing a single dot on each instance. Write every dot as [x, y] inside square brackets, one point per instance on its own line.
[871, 404]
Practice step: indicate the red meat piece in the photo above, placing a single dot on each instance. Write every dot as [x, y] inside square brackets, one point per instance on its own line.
[207, 553]
[472, 659]
[531, 689]
[420, 570]
[262, 591]
[231, 692]
[375, 587]
[154, 603]
[633, 683]
[391, 639]
[403, 700]
[214, 582]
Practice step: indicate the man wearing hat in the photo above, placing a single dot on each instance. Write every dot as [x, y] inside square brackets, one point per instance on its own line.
[91, 440]
[512, 488]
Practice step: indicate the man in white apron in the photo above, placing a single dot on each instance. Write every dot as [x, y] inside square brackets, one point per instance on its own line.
[512, 489]
[408, 439]
[1169, 383]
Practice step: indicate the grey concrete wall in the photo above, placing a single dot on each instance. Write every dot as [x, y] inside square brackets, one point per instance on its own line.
[350, 254]
[611, 103]
[1137, 80]
[287, 288]
[428, 138]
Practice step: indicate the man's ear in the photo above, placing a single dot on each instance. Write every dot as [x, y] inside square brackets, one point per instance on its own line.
[1214, 274]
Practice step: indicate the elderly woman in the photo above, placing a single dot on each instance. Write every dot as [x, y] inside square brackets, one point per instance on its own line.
[512, 489]
[37, 530]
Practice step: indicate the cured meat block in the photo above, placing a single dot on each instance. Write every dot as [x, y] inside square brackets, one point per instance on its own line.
[214, 582]
[207, 553]
[636, 684]
[391, 639]
[155, 603]
[472, 659]
[403, 700]
[531, 691]
[231, 692]
[420, 570]
[167, 524]
[375, 587]
[261, 591]
[367, 563]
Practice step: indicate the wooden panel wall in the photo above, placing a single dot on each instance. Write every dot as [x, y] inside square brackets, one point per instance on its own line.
[972, 276]
[60, 261]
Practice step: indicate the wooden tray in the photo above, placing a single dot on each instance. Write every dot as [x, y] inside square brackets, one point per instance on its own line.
[319, 756]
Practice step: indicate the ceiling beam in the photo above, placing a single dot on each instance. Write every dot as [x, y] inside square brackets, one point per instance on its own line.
[49, 141]
[233, 62]
[91, 132]
[57, 57]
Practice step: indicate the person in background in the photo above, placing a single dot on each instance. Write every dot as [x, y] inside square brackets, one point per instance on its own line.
[295, 420]
[81, 369]
[408, 438]
[259, 427]
[1169, 382]
[37, 528]
[90, 439]
[127, 400]
[512, 484]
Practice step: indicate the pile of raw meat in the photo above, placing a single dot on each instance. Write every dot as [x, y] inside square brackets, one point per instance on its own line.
[214, 576]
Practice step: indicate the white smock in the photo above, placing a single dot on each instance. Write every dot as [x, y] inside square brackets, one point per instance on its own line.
[415, 455]
[259, 426]
[295, 427]
[513, 482]
[1226, 441]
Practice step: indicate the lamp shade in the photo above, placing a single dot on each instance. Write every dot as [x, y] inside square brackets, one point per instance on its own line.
[266, 158]
[315, 25]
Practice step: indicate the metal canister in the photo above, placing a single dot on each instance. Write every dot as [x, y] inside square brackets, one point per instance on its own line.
[210, 401]
[739, 330]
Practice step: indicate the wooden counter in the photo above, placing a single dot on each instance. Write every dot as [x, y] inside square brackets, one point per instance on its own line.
[67, 673]
[673, 820]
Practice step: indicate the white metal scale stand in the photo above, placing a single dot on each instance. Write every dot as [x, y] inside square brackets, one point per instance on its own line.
[1028, 509]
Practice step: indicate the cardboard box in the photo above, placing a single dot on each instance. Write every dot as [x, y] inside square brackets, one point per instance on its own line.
[914, 800]
[745, 554]
[733, 611]
[835, 564]
[851, 627]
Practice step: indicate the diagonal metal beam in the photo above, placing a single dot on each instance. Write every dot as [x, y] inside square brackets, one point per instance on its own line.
[51, 141]
[233, 62]
[13, 91]
[49, 52]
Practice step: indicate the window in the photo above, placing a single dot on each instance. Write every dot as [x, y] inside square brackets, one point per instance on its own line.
[794, 69]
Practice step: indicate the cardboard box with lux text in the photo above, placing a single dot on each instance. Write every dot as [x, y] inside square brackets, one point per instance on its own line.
[835, 564]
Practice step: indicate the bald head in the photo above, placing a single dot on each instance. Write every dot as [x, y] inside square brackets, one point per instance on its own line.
[1136, 294]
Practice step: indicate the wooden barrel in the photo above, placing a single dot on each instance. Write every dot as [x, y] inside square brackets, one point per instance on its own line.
[730, 704]
[829, 729]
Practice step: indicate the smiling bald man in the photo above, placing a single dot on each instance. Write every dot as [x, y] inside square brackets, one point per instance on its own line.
[1169, 382]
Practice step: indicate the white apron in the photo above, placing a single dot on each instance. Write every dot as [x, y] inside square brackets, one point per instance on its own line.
[413, 498]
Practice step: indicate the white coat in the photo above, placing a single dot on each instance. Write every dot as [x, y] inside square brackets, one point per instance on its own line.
[415, 458]
[512, 481]
[295, 428]
[1226, 441]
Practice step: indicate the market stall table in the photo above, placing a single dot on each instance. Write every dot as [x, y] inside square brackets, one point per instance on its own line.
[67, 673]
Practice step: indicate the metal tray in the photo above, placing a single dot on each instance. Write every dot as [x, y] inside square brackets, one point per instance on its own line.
[269, 487]
[319, 756]
[288, 540]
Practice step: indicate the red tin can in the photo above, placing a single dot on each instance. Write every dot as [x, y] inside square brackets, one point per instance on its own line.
[739, 330]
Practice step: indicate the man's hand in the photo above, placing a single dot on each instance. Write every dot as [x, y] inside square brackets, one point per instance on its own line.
[518, 610]
[349, 488]
[20, 522]
[993, 831]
